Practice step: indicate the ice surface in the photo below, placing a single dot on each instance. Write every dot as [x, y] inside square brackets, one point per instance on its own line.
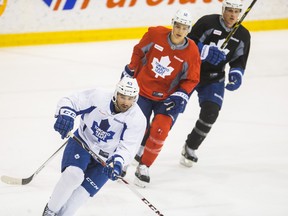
[243, 163]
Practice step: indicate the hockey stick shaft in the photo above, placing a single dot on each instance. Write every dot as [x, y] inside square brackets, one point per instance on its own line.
[237, 25]
[24, 181]
[96, 157]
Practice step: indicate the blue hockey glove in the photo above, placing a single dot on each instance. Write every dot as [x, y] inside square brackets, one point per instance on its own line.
[114, 166]
[235, 78]
[65, 121]
[127, 72]
[211, 54]
[176, 102]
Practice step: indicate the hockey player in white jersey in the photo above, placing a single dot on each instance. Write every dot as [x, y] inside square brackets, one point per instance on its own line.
[112, 125]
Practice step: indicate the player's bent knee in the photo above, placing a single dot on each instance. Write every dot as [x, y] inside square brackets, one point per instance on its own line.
[209, 112]
[160, 127]
[73, 175]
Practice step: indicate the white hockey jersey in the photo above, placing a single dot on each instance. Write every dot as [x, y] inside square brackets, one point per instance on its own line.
[105, 132]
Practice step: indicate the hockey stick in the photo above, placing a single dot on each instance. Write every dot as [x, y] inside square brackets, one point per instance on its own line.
[237, 25]
[96, 157]
[24, 181]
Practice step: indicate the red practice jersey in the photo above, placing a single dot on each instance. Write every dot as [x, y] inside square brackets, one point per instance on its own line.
[161, 67]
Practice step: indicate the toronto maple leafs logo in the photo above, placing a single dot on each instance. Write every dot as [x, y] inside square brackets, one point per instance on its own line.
[101, 131]
[161, 68]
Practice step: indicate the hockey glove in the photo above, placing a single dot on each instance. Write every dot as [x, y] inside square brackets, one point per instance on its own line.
[127, 72]
[65, 121]
[113, 169]
[176, 102]
[211, 54]
[235, 78]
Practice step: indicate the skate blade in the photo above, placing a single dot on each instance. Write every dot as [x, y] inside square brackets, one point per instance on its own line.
[185, 162]
[140, 183]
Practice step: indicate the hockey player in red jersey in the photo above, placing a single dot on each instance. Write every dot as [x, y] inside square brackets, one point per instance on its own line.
[166, 65]
[209, 32]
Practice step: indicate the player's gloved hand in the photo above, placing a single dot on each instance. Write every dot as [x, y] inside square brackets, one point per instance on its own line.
[176, 102]
[114, 166]
[127, 72]
[235, 78]
[65, 121]
[211, 54]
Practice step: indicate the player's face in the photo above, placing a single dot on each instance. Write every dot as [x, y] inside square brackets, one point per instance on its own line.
[179, 32]
[124, 102]
[230, 16]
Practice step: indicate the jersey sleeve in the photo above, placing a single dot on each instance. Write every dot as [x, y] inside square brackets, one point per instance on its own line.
[81, 102]
[191, 76]
[140, 50]
[197, 30]
[239, 60]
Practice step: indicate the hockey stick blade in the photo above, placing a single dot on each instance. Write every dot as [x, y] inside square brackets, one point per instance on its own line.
[16, 181]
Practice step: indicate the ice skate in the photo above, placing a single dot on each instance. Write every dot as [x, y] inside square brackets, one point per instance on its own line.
[48, 212]
[135, 162]
[188, 156]
[142, 178]
[137, 157]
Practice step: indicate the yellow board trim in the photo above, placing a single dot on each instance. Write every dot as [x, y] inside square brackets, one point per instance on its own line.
[39, 38]
[3, 6]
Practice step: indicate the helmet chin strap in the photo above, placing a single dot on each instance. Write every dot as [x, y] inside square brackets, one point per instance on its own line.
[116, 107]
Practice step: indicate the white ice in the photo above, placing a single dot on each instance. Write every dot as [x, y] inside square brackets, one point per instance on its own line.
[243, 163]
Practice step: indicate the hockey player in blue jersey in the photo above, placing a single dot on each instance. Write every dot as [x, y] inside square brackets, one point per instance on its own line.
[112, 125]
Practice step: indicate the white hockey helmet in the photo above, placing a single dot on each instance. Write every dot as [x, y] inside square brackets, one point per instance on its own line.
[232, 4]
[127, 86]
[184, 17]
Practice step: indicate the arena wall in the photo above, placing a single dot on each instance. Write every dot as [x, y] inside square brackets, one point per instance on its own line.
[66, 21]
